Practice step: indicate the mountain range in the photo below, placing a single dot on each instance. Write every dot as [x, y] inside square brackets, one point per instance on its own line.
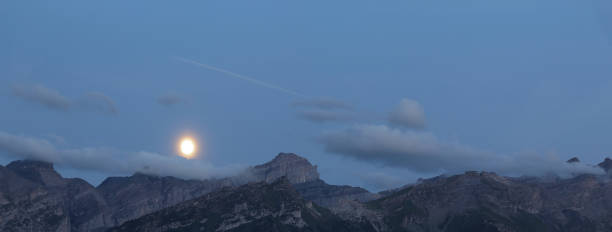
[287, 194]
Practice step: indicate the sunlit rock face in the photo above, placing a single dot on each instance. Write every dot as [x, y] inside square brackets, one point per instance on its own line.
[297, 169]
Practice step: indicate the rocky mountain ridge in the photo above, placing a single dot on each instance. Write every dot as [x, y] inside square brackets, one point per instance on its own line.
[75, 205]
[262, 206]
[482, 201]
[33, 197]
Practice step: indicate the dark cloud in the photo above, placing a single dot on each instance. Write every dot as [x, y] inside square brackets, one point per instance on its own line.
[409, 114]
[169, 99]
[110, 161]
[42, 95]
[424, 153]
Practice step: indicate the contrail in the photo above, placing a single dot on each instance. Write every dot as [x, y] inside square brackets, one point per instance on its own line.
[236, 75]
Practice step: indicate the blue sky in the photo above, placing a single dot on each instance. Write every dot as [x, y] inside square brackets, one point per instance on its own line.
[499, 76]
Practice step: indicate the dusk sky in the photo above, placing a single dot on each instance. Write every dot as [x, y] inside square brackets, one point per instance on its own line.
[376, 93]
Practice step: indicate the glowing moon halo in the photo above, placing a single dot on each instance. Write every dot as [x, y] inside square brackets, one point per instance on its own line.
[187, 147]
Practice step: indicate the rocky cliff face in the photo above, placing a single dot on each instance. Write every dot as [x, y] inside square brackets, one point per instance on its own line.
[131, 197]
[33, 197]
[305, 178]
[252, 207]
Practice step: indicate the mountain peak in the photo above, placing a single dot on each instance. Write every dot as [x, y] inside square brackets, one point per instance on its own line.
[284, 156]
[606, 164]
[37, 171]
[573, 160]
[297, 169]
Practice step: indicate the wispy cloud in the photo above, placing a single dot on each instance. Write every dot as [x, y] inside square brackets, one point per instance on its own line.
[42, 95]
[97, 101]
[242, 77]
[53, 99]
[322, 116]
[111, 161]
[321, 110]
[423, 152]
[169, 99]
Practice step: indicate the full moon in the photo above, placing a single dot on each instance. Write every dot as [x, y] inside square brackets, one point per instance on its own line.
[187, 147]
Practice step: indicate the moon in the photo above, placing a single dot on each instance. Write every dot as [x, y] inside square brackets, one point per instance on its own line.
[187, 147]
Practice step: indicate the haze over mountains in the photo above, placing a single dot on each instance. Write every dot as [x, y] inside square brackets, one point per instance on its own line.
[286, 194]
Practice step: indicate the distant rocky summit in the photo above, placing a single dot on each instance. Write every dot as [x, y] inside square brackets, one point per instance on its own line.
[305, 178]
[295, 168]
[573, 160]
[606, 165]
[286, 194]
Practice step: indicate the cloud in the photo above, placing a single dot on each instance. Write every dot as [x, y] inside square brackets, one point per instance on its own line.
[322, 116]
[409, 114]
[423, 152]
[169, 99]
[97, 101]
[42, 95]
[321, 110]
[111, 161]
[53, 99]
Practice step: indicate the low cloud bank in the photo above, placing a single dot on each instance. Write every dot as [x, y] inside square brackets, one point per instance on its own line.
[423, 152]
[111, 161]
